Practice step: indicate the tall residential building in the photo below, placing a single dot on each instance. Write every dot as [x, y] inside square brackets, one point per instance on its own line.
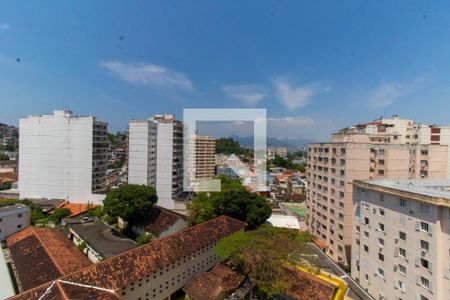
[205, 157]
[63, 156]
[368, 151]
[156, 157]
[401, 238]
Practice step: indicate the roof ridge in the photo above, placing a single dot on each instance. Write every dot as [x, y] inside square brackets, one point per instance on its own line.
[61, 289]
[49, 252]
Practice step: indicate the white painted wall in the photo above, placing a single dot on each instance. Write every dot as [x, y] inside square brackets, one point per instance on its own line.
[56, 157]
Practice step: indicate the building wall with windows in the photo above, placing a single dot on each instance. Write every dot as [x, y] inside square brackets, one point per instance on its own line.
[401, 238]
[63, 156]
[156, 157]
[13, 219]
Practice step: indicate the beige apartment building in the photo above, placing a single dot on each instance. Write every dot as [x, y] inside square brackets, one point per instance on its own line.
[401, 238]
[374, 150]
[205, 157]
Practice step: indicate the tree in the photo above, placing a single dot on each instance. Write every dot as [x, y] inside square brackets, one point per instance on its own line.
[60, 213]
[263, 255]
[144, 239]
[4, 156]
[131, 202]
[233, 201]
[228, 146]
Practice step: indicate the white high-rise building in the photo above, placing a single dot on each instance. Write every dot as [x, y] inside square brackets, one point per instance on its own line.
[155, 157]
[62, 156]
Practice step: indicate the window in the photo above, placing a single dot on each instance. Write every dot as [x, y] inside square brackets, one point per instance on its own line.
[424, 227]
[380, 242]
[424, 282]
[380, 172]
[381, 256]
[381, 212]
[401, 286]
[19, 226]
[19, 215]
[402, 269]
[402, 202]
[402, 235]
[402, 252]
[424, 263]
[366, 248]
[425, 246]
[380, 272]
[381, 227]
[366, 221]
[381, 197]
[423, 298]
[366, 234]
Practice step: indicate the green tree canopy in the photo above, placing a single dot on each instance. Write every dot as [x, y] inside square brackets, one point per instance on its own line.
[144, 239]
[131, 202]
[228, 146]
[60, 213]
[263, 254]
[233, 201]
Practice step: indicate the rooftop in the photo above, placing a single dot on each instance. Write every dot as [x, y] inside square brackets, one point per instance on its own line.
[215, 284]
[105, 240]
[13, 209]
[114, 273]
[434, 191]
[43, 254]
[161, 219]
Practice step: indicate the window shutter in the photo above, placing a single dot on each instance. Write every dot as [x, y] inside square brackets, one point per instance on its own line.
[430, 266]
[396, 284]
[417, 261]
[417, 225]
[417, 280]
[430, 287]
[430, 229]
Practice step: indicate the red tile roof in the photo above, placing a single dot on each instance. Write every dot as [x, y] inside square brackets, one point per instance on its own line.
[43, 254]
[119, 271]
[75, 208]
[306, 286]
[215, 284]
[160, 220]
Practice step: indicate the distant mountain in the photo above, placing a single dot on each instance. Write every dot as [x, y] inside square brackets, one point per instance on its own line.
[273, 142]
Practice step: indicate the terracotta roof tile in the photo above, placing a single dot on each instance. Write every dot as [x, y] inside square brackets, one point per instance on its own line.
[160, 220]
[215, 284]
[307, 286]
[43, 254]
[121, 270]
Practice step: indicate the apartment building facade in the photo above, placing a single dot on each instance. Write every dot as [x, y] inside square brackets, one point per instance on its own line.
[370, 151]
[204, 162]
[156, 157]
[401, 238]
[63, 156]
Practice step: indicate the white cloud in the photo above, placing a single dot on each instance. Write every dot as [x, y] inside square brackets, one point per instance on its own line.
[250, 94]
[148, 74]
[5, 26]
[294, 97]
[387, 93]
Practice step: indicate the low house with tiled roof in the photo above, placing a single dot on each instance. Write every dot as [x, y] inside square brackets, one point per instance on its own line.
[162, 222]
[216, 284]
[153, 271]
[43, 254]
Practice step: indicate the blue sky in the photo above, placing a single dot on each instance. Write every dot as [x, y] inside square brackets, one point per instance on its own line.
[315, 65]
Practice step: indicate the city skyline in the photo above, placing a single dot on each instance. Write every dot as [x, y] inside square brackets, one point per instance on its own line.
[315, 67]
